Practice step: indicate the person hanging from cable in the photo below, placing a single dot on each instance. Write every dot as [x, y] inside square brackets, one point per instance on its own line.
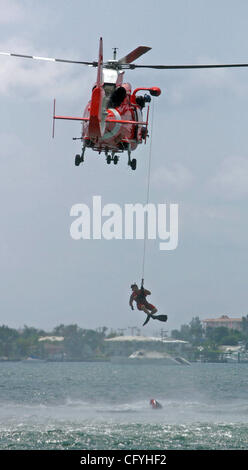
[139, 296]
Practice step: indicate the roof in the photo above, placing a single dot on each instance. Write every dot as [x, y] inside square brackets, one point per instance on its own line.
[144, 339]
[51, 338]
[224, 319]
[226, 348]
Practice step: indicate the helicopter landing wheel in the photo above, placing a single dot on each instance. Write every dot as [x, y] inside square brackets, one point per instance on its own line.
[116, 159]
[133, 164]
[78, 159]
[108, 159]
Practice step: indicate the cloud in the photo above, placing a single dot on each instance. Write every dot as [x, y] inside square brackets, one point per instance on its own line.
[177, 176]
[187, 86]
[231, 180]
[11, 11]
[34, 79]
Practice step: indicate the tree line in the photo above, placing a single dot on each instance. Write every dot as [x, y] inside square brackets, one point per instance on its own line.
[78, 343]
[81, 344]
[206, 342]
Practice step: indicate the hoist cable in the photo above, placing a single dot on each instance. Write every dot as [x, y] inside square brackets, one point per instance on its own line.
[147, 196]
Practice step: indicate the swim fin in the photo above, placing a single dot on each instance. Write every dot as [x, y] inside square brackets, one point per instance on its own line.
[160, 317]
[147, 319]
[155, 317]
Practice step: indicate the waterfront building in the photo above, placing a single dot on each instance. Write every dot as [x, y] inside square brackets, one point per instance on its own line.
[224, 320]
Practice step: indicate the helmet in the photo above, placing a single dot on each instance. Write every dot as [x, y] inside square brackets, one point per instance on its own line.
[127, 87]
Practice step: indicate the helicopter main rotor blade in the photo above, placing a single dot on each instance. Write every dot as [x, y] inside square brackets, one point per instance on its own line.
[135, 54]
[181, 67]
[49, 59]
[125, 62]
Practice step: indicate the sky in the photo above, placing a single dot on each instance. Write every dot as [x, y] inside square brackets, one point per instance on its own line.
[199, 160]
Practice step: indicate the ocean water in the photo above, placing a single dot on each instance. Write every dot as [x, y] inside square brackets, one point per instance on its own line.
[90, 406]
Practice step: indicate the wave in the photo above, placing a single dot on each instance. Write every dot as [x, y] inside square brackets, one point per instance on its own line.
[173, 411]
[124, 436]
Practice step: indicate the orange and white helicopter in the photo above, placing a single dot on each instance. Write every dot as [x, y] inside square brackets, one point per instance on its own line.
[112, 121]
